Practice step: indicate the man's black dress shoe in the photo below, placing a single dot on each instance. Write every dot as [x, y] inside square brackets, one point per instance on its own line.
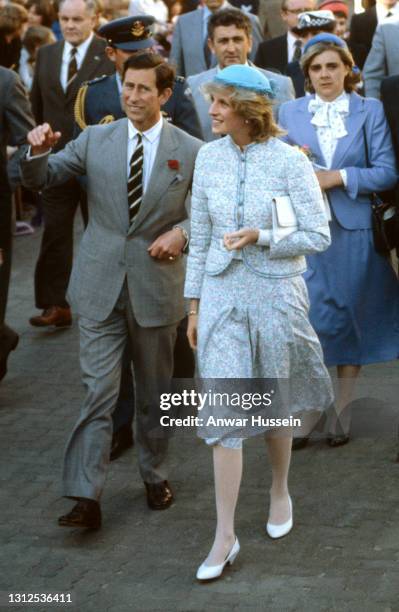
[159, 495]
[121, 441]
[9, 341]
[86, 514]
[335, 440]
[298, 443]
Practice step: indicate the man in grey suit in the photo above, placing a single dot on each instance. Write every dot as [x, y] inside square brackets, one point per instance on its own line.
[190, 52]
[383, 59]
[15, 122]
[230, 39]
[127, 282]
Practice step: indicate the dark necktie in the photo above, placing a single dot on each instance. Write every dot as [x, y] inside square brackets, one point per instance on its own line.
[207, 51]
[389, 14]
[207, 54]
[135, 182]
[298, 51]
[72, 68]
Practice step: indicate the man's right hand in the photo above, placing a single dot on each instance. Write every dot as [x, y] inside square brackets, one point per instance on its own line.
[42, 138]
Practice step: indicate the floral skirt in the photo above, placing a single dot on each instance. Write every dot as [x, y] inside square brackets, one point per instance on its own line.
[254, 336]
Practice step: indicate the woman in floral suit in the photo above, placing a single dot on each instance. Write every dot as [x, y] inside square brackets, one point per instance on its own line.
[249, 306]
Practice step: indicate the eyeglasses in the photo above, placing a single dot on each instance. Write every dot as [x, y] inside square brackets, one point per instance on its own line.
[297, 11]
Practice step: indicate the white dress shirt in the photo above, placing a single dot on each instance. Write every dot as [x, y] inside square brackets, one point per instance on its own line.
[155, 8]
[25, 69]
[150, 141]
[291, 40]
[329, 121]
[81, 51]
[382, 12]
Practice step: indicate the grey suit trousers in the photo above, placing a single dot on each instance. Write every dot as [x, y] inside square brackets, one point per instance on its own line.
[101, 349]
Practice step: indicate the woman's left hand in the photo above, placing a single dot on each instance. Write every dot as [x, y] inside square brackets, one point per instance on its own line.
[329, 178]
[239, 240]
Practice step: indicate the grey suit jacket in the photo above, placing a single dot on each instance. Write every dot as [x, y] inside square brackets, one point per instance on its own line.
[285, 93]
[187, 52]
[110, 251]
[383, 58]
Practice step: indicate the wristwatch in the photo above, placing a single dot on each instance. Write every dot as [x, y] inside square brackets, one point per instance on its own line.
[185, 236]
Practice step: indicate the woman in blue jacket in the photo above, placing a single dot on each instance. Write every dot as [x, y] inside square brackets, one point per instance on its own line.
[354, 294]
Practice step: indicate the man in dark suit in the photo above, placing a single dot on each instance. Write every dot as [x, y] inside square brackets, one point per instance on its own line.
[276, 53]
[364, 25]
[15, 122]
[60, 70]
[390, 100]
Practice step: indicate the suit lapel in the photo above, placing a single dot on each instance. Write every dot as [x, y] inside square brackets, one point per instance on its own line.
[161, 175]
[117, 154]
[353, 123]
[373, 20]
[55, 57]
[202, 105]
[307, 131]
[195, 35]
[284, 50]
[89, 67]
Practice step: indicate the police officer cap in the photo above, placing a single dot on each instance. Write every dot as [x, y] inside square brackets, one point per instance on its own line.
[324, 37]
[315, 20]
[129, 33]
[241, 75]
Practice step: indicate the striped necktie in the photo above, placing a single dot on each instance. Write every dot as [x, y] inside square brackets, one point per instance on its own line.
[135, 182]
[297, 51]
[72, 68]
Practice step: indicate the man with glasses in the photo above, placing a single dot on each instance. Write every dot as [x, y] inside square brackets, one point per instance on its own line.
[276, 53]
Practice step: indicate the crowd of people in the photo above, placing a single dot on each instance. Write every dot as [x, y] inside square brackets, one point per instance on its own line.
[131, 112]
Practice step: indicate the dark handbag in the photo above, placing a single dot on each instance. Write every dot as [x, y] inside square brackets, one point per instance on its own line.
[385, 218]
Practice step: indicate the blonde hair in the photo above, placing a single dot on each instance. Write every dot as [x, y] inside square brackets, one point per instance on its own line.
[351, 79]
[255, 108]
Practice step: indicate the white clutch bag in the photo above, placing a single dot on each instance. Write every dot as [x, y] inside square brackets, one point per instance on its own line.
[283, 218]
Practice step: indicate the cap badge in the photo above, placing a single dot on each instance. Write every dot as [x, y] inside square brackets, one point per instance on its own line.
[138, 29]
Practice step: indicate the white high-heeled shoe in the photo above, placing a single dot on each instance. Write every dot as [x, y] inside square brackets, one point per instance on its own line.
[278, 531]
[208, 572]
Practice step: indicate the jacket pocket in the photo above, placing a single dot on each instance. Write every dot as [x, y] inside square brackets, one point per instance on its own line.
[217, 261]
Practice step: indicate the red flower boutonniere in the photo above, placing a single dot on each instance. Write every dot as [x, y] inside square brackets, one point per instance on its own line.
[305, 149]
[173, 164]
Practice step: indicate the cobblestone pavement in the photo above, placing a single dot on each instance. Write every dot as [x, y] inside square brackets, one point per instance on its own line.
[343, 554]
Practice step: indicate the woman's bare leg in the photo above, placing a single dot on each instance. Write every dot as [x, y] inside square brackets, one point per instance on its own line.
[279, 443]
[340, 419]
[227, 463]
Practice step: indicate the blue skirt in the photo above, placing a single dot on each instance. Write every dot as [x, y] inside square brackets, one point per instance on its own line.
[354, 300]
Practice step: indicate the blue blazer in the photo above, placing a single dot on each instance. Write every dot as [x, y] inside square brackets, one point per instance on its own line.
[351, 206]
